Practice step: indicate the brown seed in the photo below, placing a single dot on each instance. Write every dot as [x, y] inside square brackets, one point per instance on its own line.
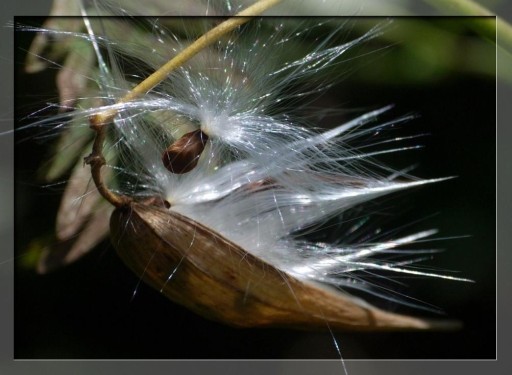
[220, 281]
[182, 156]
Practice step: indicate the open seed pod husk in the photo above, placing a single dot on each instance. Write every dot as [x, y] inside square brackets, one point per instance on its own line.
[210, 275]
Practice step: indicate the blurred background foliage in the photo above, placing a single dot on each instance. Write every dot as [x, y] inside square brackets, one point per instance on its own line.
[454, 51]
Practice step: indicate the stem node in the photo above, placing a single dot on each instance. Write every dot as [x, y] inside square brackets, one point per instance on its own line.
[96, 160]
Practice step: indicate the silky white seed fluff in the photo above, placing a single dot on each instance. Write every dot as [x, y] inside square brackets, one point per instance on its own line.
[266, 173]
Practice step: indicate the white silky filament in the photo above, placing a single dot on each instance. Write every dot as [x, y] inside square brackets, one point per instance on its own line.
[265, 174]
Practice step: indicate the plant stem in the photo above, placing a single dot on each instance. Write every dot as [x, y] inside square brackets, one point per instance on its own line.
[205, 40]
[96, 161]
[98, 122]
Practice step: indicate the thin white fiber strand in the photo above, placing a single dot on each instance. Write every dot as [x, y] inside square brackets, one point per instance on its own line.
[264, 175]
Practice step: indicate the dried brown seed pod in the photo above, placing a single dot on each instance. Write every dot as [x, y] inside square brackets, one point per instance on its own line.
[210, 275]
[207, 273]
[182, 156]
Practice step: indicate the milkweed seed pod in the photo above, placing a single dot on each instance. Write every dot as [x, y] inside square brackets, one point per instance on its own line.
[219, 280]
[215, 182]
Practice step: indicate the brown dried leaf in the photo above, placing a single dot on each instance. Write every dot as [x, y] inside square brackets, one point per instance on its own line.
[67, 251]
[71, 144]
[78, 203]
[73, 77]
[44, 48]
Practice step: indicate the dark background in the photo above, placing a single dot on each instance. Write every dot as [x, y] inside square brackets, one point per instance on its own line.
[86, 310]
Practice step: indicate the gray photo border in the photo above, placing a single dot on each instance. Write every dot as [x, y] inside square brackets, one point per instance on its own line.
[8, 366]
